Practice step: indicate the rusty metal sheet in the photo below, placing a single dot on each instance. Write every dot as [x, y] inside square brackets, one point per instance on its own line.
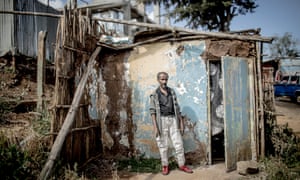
[236, 111]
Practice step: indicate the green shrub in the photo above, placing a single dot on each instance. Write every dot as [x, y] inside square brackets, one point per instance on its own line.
[282, 150]
[278, 170]
[286, 145]
[14, 164]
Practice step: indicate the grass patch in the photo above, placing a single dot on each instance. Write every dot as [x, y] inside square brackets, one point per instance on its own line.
[283, 153]
[42, 124]
[144, 165]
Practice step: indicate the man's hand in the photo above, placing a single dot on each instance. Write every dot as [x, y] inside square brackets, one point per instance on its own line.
[181, 125]
[156, 132]
[181, 131]
[155, 128]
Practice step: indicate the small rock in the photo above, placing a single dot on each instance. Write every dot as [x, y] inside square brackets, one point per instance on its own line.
[247, 167]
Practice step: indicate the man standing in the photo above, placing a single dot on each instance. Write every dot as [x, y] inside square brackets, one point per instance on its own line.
[167, 123]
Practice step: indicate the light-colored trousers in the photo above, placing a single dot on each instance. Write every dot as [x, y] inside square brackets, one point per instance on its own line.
[170, 131]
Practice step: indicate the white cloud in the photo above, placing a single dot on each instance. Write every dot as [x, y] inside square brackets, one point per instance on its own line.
[54, 3]
[58, 4]
[151, 15]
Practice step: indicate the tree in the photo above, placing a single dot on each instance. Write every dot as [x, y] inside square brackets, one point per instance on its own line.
[208, 14]
[285, 46]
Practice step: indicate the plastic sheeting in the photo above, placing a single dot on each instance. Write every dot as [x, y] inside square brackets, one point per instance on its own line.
[217, 107]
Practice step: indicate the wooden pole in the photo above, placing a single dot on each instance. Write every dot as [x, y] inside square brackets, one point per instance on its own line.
[60, 139]
[261, 99]
[127, 16]
[13, 60]
[157, 26]
[41, 70]
[257, 117]
[32, 13]
[191, 31]
[253, 118]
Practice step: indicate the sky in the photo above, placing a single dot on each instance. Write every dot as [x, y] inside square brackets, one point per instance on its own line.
[274, 17]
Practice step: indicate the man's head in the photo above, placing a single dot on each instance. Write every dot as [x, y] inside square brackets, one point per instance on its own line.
[162, 78]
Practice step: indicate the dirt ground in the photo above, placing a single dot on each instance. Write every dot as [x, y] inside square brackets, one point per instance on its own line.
[288, 112]
[212, 172]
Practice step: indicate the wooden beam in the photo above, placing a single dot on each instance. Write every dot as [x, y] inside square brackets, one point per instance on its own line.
[127, 16]
[60, 139]
[260, 101]
[191, 31]
[32, 13]
[76, 50]
[163, 27]
[41, 70]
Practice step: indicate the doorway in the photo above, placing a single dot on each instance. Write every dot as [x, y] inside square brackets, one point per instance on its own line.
[231, 110]
[216, 112]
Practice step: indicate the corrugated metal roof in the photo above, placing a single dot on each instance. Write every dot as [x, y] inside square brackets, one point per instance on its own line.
[290, 66]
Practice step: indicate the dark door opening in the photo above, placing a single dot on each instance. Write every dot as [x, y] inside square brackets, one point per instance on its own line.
[216, 112]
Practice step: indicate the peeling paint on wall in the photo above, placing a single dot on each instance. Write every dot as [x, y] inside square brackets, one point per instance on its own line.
[119, 89]
[188, 77]
[116, 118]
[98, 101]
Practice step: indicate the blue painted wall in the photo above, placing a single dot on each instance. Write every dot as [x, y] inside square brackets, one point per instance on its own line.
[188, 76]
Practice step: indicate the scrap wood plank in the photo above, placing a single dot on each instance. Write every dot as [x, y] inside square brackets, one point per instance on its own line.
[60, 139]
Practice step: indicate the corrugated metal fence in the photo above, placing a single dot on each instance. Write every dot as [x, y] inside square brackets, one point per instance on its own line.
[19, 33]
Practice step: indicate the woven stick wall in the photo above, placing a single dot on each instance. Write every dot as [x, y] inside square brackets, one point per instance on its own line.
[268, 88]
[73, 48]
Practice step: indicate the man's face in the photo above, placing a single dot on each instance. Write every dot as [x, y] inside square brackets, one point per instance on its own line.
[163, 80]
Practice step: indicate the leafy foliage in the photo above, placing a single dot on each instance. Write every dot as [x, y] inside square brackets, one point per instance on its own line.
[278, 170]
[283, 151]
[14, 164]
[209, 14]
[286, 145]
[284, 46]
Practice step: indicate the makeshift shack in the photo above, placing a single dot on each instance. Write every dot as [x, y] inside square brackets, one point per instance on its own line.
[102, 91]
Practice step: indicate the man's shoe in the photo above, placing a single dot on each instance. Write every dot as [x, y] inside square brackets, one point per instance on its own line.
[185, 169]
[165, 170]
